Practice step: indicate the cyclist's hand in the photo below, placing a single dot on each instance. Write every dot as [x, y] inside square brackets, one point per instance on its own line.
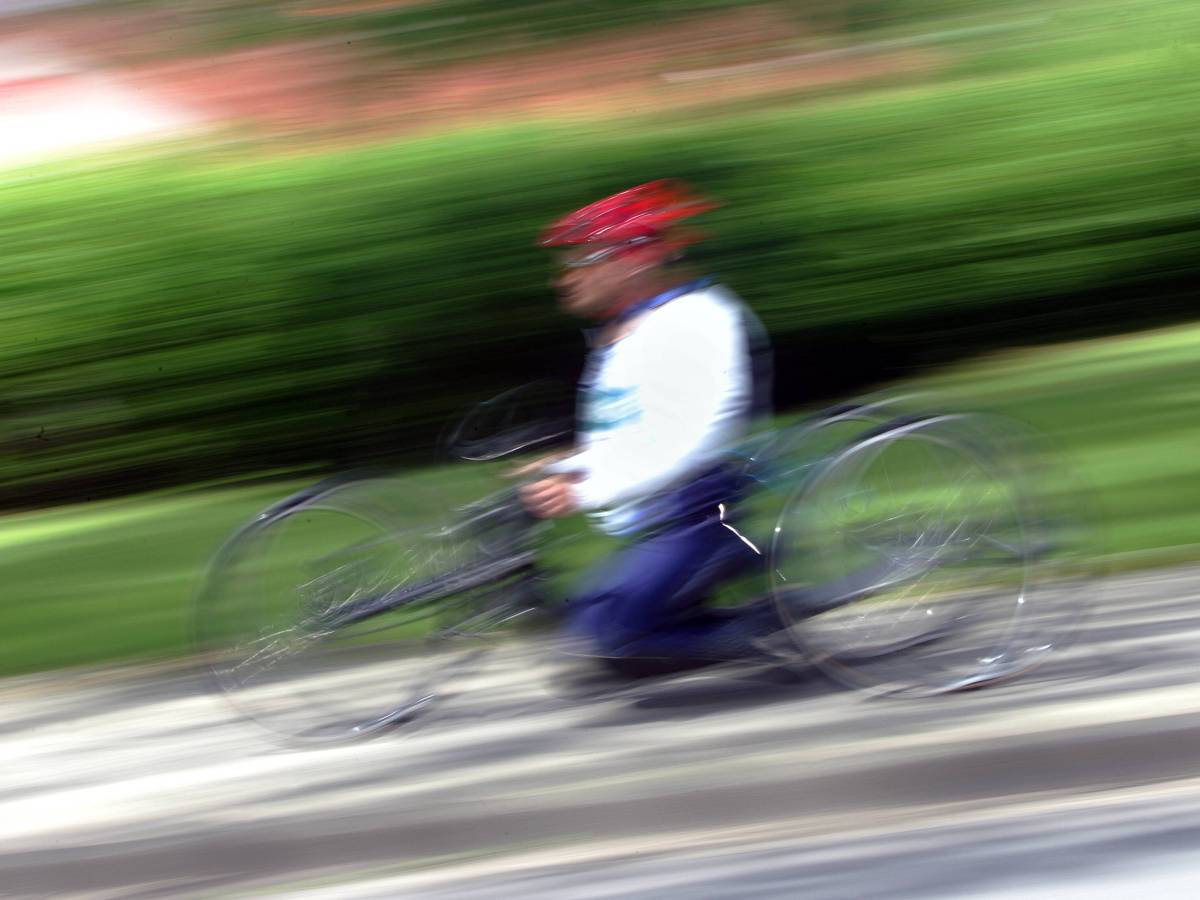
[550, 498]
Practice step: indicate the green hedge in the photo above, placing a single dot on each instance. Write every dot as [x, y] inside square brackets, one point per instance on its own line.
[179, 318]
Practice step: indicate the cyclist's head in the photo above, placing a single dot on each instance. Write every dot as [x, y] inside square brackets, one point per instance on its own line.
[612, 250]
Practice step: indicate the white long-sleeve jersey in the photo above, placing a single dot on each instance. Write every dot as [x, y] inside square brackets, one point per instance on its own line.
[658, 406]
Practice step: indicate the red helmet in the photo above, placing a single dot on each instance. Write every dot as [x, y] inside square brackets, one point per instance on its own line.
[635, 216]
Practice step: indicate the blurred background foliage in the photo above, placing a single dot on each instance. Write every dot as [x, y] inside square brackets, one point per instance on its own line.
[172, 318]
[252, 305]
[438, 31]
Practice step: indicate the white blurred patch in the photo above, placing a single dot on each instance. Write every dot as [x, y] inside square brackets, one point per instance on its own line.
[51, 104]
[24, 7]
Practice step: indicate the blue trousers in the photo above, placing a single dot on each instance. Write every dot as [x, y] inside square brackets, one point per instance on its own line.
[647, 600]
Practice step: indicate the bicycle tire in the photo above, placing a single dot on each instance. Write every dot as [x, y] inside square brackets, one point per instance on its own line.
[956, 591]
[262, 617]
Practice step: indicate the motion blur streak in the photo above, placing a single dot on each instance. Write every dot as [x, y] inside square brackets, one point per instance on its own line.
[250, 243]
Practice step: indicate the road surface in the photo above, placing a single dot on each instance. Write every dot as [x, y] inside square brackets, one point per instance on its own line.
[1082, 779]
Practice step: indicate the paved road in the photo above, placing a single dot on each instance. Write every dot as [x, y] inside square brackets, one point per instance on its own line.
[1080, 780]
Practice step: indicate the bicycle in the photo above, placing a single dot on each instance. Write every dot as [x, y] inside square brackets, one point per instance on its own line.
[907, 554]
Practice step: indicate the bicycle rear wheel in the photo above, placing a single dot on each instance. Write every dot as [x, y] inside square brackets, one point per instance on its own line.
[273, 623]
[932, 546]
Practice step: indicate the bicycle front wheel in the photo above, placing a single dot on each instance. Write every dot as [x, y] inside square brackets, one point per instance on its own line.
[290, 619]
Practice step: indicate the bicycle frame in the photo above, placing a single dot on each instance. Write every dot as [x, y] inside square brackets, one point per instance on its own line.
[516, 559]
[511, 568]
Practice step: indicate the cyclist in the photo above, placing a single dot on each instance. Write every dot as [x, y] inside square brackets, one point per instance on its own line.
[677, 368]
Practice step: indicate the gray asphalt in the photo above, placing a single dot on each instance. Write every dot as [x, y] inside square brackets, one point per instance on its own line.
[1082, 778]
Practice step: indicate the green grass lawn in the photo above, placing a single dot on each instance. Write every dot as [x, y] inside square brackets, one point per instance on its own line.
[113, 580]
[1122, 414]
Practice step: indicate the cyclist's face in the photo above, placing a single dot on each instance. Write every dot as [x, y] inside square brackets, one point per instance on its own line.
[590, 284]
